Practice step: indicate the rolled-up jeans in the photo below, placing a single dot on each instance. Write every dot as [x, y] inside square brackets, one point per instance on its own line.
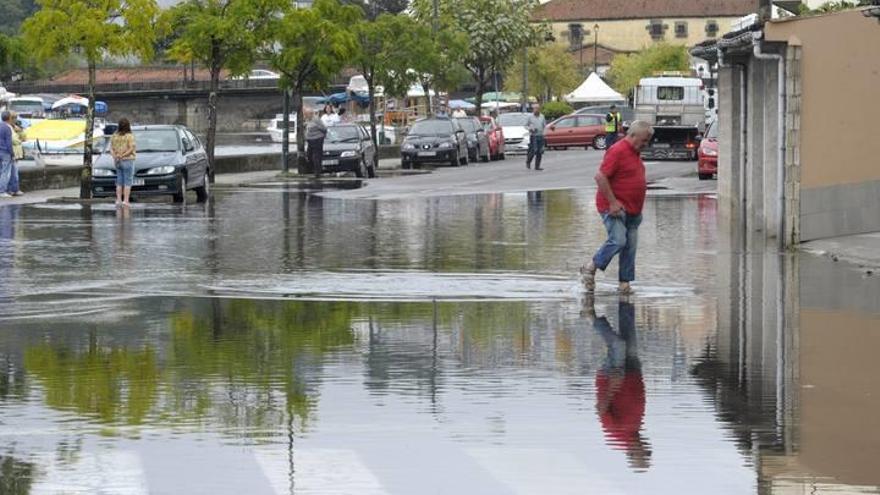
[13, 186]
[6, 171]
[623, 239]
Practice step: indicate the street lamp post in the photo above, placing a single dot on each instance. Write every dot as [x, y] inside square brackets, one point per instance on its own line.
[596, 48]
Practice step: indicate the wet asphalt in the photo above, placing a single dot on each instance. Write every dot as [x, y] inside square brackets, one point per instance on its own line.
[427, 334]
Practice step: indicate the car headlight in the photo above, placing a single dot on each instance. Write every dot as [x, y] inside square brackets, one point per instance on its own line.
[709, 152]
[103, 172]
[163, 170]
[446, 144]
[409, 146]
[348, 154]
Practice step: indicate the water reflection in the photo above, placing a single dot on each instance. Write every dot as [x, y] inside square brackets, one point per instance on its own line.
[620, 389]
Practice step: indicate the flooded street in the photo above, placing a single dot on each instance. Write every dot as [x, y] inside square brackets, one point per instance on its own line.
[279, 341]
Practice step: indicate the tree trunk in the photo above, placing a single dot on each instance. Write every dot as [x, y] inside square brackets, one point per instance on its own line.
[426, 87]
[85, 184]
[211, 139]
[481, 88]
[302, 166]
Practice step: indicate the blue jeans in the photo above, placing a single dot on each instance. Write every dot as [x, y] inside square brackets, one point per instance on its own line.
[13, 186]
[125, 173]
[5, 172]
[536, 149]
[610, 139]
[623, 239]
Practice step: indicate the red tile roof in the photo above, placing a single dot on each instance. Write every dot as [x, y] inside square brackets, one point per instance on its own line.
[607, 10]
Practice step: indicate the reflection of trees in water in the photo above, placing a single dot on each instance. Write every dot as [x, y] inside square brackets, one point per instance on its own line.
[16, 476]
[241, 363]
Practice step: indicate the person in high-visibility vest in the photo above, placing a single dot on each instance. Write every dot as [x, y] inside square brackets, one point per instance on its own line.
[613, 121]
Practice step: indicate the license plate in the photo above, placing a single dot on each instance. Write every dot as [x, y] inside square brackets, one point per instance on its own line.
[660, 145]
[331, 162]
[427, 153]
[137, 182]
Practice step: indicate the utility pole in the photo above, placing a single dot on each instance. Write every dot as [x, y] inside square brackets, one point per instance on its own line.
[596, 49]
[285, 141]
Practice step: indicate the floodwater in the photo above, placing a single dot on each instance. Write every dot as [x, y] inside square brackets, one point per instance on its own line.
[275, 341]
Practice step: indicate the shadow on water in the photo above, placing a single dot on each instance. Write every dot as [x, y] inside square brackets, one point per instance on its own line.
[734, 370]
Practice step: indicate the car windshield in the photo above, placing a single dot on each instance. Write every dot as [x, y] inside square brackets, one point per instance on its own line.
[468, 125]
[712, 131]
[343, 134]
[432, 128]
[152, 140]
[512, 119]
[26, 107]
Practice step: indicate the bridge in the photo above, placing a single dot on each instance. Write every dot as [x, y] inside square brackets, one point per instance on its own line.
[179, 100]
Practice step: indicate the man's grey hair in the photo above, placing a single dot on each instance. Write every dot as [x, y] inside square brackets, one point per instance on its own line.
[639, 126]
[5, 116]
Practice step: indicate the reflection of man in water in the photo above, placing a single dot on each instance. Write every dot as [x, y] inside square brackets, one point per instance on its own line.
[620, 391]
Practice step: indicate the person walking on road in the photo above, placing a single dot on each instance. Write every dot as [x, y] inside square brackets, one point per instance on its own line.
[7, 153]
[123, 149]
[613, 122]
[316, 131]
[619, 200]
[535, 124]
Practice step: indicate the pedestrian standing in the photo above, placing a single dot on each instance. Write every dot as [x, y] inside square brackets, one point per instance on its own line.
[613, 122]
[329, 117]
[619, 200]
[14, 187]
[7, 153]
[123, 149]
[316, 131]
[535, 124]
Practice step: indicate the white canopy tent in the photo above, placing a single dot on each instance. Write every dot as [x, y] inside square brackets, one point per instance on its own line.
[594, 90]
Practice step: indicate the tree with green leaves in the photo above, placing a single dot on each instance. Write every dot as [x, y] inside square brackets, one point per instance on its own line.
[12, 56]
[437, 59]
[496, 32]
[551, 71]
[221, 35]
[308, 48]
[93, 29]
[627, 69]
[384, 55]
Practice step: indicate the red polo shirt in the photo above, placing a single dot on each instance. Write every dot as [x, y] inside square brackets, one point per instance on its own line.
[625, 171]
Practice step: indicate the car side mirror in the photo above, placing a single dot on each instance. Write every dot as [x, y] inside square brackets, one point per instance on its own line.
[552, 127]
[187, 146]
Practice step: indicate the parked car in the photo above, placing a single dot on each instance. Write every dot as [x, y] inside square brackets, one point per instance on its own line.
[707, 153]
[495, 134]
[516, 135]
[434, 140]
[628, 114]
[478, 142]
[348, 148]
[259, 74]
[170, 160]
[576, 130]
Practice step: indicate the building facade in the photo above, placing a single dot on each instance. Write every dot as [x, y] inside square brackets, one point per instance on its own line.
[613, 27]
[796, 119]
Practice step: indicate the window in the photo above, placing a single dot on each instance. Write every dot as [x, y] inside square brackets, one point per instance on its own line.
[681, 29]
[670, 93]
[711, 29]
[656, 29]
[584, 121]
[565, 123]
[575, 36]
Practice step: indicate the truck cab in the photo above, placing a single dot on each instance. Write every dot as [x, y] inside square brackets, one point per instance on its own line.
[675, 106]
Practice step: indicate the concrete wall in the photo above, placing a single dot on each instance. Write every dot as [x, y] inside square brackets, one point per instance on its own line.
[234, 110]
[632, 35]
[840, 71]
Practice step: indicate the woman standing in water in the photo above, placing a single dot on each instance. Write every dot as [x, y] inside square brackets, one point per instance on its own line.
[123, 149]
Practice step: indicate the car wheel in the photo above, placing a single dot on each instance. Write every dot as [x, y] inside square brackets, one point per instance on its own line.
[180, 195]
[705, 176]
[361, 170]
[203, 192]
[503, 156]
[599, 142]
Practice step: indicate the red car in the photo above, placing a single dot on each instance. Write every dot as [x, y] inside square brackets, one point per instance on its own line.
[576, 130]
[496, 138]
[707, 154]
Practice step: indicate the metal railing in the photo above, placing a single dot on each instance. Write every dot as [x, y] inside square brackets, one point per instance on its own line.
[143, 86]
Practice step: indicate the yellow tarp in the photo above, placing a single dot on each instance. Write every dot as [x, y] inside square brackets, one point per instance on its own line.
[56, 130]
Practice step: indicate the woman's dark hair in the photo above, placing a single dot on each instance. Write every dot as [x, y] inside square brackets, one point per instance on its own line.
[124, 126]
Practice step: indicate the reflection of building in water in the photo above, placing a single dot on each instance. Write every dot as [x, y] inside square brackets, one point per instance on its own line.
[793, 370]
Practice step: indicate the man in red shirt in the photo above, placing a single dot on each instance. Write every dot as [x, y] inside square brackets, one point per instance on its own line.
[620, 198]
